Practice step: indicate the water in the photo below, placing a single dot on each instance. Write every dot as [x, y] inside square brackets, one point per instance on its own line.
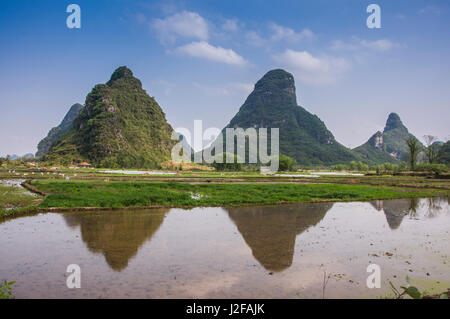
[337, 173]
[137, 172]
[12, 183]
[248, 252]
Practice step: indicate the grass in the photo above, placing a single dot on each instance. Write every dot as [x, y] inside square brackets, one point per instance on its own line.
[14, 200]
[94, 193]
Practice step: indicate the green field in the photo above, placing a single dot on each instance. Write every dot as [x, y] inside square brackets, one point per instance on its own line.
[14, 200]
[78, 194]
[92, 189]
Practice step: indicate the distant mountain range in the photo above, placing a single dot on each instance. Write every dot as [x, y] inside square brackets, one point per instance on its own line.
[14, 157]
[122, 126]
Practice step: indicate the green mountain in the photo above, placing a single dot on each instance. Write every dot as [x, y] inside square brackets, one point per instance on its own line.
[53, 135]
[303, 136]
[389, 146]
[374, 151]
[120, 126]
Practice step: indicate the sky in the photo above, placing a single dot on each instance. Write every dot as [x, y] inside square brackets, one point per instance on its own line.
[200, 60]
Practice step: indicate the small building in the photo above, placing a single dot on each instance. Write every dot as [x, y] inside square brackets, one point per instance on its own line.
[84, 164]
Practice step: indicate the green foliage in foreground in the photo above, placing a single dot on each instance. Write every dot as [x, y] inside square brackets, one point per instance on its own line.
[6, 290]
[128, 194]
[410, 291]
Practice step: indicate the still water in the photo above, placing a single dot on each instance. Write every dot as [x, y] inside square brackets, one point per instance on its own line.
[248, 252]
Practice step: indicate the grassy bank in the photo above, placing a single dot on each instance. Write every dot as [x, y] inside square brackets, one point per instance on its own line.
[76, 194]
[15, 200]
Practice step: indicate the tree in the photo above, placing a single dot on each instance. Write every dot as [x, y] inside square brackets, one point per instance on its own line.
[362, 167]
[380, 169]
[444, 154]
[286, 163]
[414, 148]
[432, 149]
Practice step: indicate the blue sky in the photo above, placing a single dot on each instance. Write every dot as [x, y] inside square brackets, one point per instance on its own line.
[200, 59]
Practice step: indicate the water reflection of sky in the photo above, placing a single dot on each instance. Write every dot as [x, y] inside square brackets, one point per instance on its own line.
[229, 252]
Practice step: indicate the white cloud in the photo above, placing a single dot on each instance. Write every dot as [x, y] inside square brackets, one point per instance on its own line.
[253, 38]
[283, 33]
[358, 44]
[432, 10]
[312, 69]
[231, 25]
[185, 24]
[379, 45]
[278, 33]
[207, 51]
[340, 45]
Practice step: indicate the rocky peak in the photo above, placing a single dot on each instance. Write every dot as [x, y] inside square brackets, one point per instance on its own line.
[377, 140]
[393, 122]
[123, 75]
[276, 82]
[70, 116]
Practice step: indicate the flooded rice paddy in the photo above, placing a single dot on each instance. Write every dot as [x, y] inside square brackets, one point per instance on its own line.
[248, 252]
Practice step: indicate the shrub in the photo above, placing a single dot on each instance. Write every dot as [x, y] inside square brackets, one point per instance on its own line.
[286, 163]
[339, 167]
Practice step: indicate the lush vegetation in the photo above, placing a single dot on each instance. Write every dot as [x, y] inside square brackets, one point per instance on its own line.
[413, 151]
[129, 194]
[14, 200]
[303, 136]
[390, 168]
[286, 163]
[374, 151]
[443, 156]
[55, 133]
[392, 140]
[120, 126]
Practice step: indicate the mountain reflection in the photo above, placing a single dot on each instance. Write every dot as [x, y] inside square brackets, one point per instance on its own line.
[270, 232]
[396, 209]
[116, 235]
